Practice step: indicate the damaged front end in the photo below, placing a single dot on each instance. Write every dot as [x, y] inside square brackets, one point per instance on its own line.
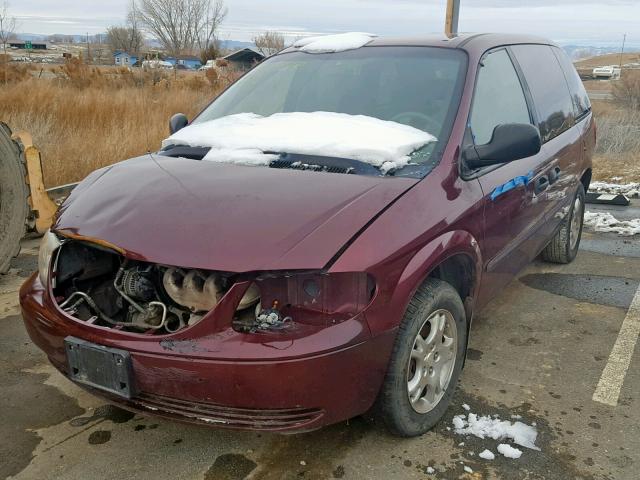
[98, 285]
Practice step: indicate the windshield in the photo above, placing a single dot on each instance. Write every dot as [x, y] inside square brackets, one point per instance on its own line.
[416, 86]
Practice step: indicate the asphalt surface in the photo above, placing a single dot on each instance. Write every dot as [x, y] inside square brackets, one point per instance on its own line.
[537, 351]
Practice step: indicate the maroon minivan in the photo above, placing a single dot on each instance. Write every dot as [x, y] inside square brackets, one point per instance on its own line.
[301, 290]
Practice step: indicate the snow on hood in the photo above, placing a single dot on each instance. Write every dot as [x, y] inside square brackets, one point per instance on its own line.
[245, 137]
[334, 43]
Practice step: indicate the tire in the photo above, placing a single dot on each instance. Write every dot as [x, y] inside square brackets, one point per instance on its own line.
[14, 207]
[394, 408]
[563, 247]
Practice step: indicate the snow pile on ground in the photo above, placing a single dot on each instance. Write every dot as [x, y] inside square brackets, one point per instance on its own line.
[605, 222]
[508, 451]
[334, 43]
[246, 138]
[493, 427]
[487, 454]
[631, 190]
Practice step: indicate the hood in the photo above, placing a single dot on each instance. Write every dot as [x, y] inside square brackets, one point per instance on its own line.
[225, 217]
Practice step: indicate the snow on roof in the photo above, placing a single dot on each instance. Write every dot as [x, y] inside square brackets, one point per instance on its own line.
[247, 138]
[334, 43]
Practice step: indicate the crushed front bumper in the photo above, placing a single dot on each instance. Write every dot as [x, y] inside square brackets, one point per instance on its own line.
[230, 379]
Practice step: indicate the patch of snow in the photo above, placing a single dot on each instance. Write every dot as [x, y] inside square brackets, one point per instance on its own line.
[516, 417]
[468, 469]
[497, 429]
[466, 407]
[461, 444]
[487, 454]
[629, 189]
[605, 222]
[458, 422]
[431, 470]
[508, 451]
[340, 42]
[245, 137]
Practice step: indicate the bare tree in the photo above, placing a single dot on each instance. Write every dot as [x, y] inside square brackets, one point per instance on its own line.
[128, 38]
[133, 23]
[216, 13]
[7, 25]
[182, 26]
[125, 39]
[269, 43]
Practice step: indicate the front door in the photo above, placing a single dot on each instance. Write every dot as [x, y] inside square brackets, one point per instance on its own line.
[511, 204]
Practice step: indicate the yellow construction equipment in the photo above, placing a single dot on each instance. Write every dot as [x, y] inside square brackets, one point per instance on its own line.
[25, 204]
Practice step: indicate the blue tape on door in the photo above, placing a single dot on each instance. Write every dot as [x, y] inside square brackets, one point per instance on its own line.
[522, 180]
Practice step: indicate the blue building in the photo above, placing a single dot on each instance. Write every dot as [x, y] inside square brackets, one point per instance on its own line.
[124, 59]
[190, 62]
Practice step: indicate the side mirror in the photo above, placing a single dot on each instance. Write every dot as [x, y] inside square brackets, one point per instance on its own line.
[509, 142]
[178, 122]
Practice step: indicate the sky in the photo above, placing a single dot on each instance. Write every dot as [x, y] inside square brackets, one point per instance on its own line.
[588, 22]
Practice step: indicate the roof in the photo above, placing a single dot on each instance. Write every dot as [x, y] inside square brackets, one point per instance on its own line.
[469, 41]
[244, 55]
[118, 54]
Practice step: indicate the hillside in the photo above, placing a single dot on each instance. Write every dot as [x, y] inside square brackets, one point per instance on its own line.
[608, 59]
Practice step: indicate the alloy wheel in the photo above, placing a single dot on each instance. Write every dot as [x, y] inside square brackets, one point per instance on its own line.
[432, 360]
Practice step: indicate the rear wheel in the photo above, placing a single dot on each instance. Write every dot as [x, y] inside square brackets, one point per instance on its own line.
[563, 248]
[426, 361]
[14, 208]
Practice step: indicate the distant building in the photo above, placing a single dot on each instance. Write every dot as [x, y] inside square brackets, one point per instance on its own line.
[188, 61]
[244, 59]
[23, 45]
[609, 72]
[124, 59]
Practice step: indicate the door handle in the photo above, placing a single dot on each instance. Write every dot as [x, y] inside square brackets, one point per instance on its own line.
[554, 175]
[541, 184]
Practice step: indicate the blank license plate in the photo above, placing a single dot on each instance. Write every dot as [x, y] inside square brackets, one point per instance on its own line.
[100, 367]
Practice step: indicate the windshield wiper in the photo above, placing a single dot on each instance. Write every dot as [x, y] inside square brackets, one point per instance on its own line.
[294, 161]
[184, 151]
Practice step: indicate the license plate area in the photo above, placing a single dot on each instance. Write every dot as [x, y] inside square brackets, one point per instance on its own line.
[100, 367]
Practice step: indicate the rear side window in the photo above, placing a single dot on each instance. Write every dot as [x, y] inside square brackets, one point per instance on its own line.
[581, 102]
[548, 88]
[499, 98]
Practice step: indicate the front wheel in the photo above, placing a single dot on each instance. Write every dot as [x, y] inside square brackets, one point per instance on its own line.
[426, 361]
[563, 247]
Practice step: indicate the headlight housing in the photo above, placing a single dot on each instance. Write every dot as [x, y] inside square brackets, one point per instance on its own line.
[48, 246]
[316, 298]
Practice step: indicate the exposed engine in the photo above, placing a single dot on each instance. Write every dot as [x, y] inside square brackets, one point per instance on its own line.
[99, 286]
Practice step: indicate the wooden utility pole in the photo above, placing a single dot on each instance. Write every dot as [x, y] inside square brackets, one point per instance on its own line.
[624, 39]
[451, 21]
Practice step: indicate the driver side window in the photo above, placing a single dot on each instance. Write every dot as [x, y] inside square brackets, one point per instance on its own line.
[499, 98]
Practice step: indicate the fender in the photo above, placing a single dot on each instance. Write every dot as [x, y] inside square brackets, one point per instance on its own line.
[421, 265]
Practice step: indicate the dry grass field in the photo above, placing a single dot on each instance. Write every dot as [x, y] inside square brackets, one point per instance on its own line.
[83, 118]
[618, 121]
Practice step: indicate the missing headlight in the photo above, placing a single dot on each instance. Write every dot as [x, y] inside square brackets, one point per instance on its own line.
[316, 298]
